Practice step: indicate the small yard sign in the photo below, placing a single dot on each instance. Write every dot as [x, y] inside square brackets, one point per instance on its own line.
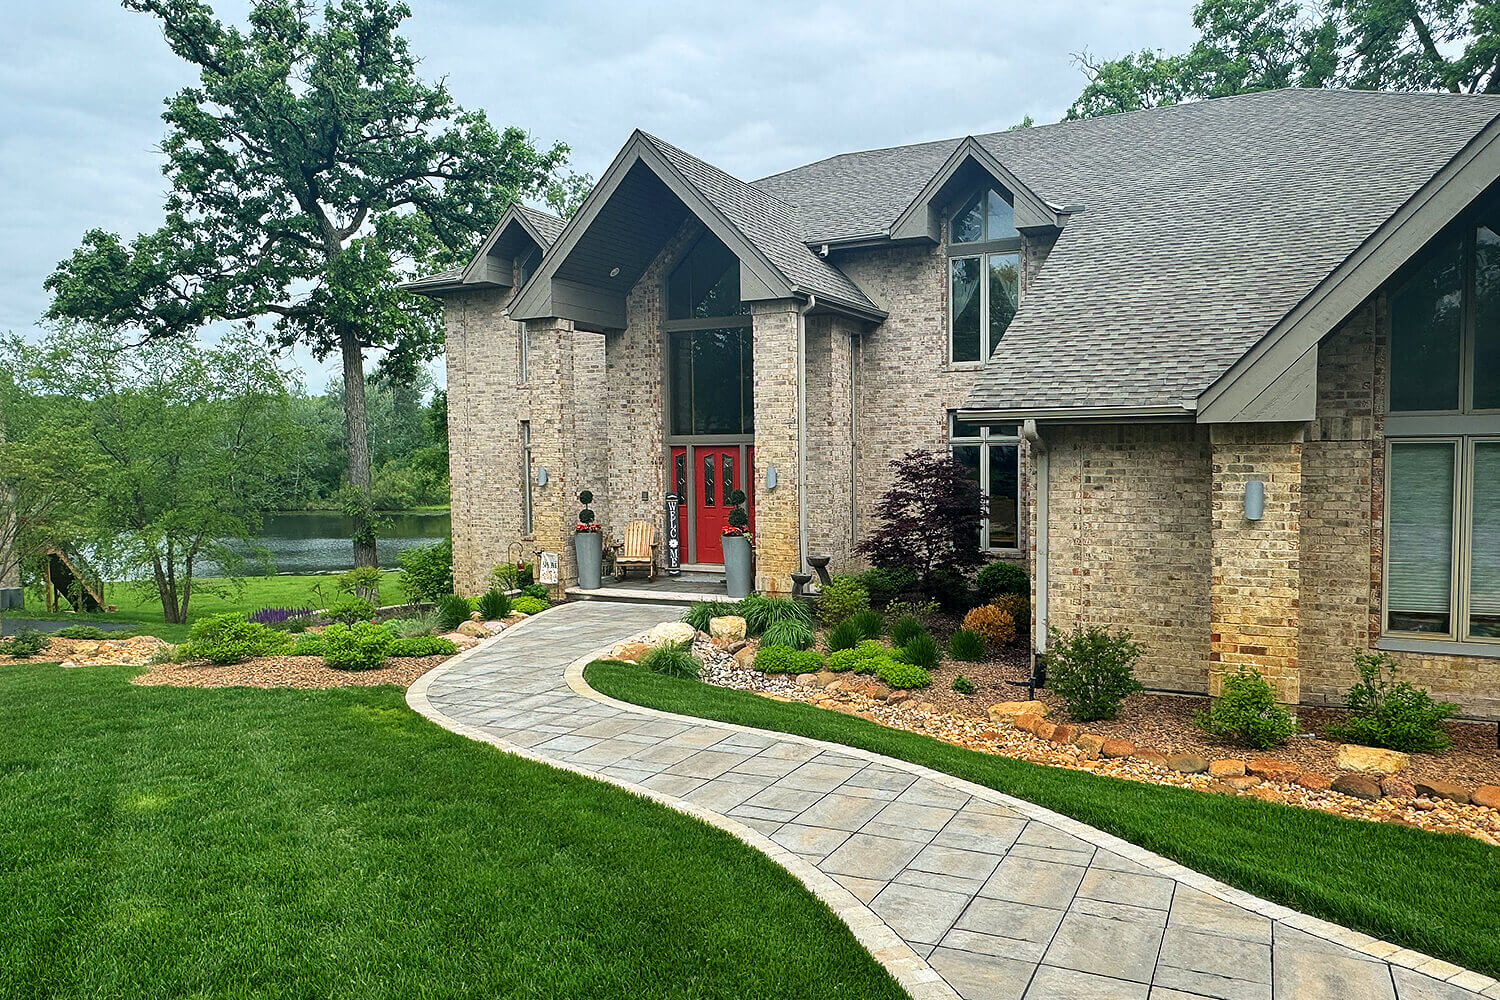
[546, 567]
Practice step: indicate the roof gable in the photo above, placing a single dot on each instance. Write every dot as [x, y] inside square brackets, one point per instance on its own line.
[922, 218]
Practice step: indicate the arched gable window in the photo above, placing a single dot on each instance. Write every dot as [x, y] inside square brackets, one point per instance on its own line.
[984, 250]
[710, 377]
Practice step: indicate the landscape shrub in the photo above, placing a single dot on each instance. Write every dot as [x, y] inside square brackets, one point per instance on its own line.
[452, 611]
[861, 659]
[699, 613]
[427, 571]
[997, 627]
[494, 604]
[928, 520]
[762, 612]
[951, 590]
[896, 674]
[963, 685]
[1092, 671]
[1246, 712]
[998, 578]
[886, 583]
[673, 659]
[843, 597]
[966, 645]
[906, 629]
[422, 645]
[788, 632]
[538, 591]
[308, 644]
[415, 625]
[1385, 712]
[360, 646]
[844, 635]
[924, 611]
[1018, 606]
[921, 650]
[785, 660]
[81, 632]
[869, 623]
[351, 610]
[529, 605]
[361, 581]
[25, 643]
[230, 638]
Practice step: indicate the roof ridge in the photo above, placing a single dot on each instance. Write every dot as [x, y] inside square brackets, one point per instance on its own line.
[792, 212]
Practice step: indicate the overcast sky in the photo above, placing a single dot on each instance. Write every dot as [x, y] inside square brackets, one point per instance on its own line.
[752, 88]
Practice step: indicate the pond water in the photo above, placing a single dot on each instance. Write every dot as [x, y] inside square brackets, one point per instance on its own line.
[317, 541]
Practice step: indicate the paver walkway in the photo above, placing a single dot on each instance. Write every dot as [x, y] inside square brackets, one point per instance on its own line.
[960, 891]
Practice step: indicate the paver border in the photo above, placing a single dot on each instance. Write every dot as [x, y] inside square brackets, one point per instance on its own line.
[888, 948]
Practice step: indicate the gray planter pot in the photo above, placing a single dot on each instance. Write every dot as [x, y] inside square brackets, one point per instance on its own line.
[589, 545]
[739, 566]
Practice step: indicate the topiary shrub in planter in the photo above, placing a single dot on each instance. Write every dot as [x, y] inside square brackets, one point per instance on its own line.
[843, 598]
[996, 626]
[739, 556]
[588, 545]
[529, 605]
[494, 604]
[452, 610]
[1092, 671]
[785, 660]
[361, 646]
[999, 578]
[673, 659]
[231, 638]
[1246, 712]
[1385, 712]
[422, 645]
[921, 650]
[966, 645]
[896, 674]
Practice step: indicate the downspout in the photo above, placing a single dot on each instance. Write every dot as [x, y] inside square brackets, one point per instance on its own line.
[812, 300]
[1039, 577]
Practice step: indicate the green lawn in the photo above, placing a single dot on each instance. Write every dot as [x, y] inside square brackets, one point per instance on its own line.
[141, 609]
[162, 842]
[1432, 892]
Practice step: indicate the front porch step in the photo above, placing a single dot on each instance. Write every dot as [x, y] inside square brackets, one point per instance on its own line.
[633, 595]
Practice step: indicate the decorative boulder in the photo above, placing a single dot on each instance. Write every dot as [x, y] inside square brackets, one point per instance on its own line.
[670, 632]
[1115, 747]
[1187, 763]
[1272, 769]
[630, 652]
[1370, 760]
[1434, 789]
[1487, 796]
[473, 629]
[1226, 767]
[1357, 785]
[1005, 710]
[729, 628]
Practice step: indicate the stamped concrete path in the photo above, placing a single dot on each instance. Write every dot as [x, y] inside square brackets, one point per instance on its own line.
[957, 889]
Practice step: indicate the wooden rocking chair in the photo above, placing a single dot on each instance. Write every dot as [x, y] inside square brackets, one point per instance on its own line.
[638, 549]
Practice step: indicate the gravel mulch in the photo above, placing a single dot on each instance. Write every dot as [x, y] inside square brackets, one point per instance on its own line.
[285, 671]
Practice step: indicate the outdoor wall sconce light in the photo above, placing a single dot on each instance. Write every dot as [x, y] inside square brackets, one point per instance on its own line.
[770, 477]
[541, 476]
[1255, 500]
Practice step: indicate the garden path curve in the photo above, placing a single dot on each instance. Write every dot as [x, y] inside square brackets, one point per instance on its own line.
[958, 890]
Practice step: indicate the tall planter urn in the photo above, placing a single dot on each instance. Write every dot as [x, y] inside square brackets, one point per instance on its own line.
[588, 545]
[739, 566]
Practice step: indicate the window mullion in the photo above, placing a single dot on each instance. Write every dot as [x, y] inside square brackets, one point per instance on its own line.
[984, 486]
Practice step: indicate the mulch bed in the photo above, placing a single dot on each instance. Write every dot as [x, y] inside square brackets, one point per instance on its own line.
[287, 672]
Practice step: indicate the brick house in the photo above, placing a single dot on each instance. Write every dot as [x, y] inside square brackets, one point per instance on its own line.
[1229, 372]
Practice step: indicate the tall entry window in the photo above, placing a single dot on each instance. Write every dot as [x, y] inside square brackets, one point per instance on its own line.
[992, 454]
[984, 260]
[1442, 572]
[710, 376]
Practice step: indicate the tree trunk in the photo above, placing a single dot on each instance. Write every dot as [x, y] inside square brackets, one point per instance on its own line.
[357, 441]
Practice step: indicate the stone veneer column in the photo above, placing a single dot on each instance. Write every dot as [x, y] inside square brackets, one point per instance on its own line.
[776, 511]
[1254, 595]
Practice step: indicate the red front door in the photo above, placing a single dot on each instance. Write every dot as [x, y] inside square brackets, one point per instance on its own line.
[716, 472]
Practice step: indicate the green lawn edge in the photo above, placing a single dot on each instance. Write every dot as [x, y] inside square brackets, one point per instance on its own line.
[1435, 893]
[270, 843]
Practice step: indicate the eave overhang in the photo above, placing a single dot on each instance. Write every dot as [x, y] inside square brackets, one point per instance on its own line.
[493, 264]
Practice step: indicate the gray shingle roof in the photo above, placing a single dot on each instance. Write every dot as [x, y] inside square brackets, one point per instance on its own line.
[1203, 225]
[768, 223]
[548, 226]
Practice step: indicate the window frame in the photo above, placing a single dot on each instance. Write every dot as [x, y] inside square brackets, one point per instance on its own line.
[985, 441]
[981, 249]
[523, 354]
[528, 508]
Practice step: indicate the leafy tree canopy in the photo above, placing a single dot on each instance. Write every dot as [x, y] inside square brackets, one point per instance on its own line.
[1250, 45]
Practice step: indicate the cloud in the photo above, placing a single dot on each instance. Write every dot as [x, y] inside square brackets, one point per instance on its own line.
[753, 88]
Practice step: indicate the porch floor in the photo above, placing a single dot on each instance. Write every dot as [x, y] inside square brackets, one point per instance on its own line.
[664, 589]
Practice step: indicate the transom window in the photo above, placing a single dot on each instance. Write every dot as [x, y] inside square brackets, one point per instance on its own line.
[710, 376]
[983, 275]
[1442, 569]
[992, 454]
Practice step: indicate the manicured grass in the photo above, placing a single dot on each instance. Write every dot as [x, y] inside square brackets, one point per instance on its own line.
[141, 609]
[1433, 892]
[163, 842]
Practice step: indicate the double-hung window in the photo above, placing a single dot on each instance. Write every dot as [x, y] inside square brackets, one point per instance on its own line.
[992, 454]
[1442, 550]
[984, 260]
